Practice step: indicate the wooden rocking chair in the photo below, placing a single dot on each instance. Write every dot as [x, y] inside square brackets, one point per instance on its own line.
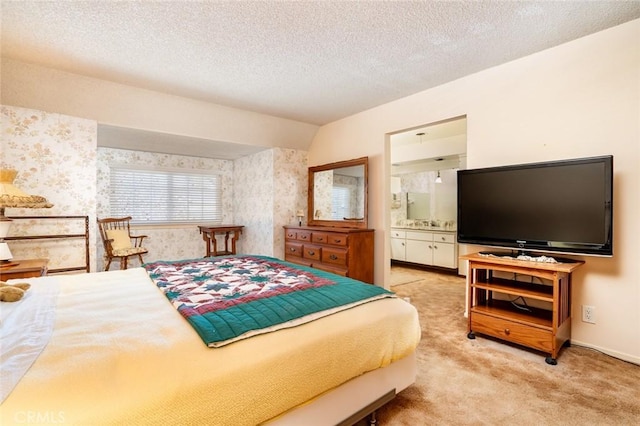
[118, 241]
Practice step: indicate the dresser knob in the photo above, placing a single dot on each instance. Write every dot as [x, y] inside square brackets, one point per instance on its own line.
[311, 253]
[333, 257]
[507, 331]
[338, 241]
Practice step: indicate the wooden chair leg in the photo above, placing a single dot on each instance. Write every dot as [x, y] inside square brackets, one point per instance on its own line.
[107, 263]
[141, 261]
[123, 262]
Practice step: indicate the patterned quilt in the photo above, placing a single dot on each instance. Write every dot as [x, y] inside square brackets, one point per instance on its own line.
[230, 298]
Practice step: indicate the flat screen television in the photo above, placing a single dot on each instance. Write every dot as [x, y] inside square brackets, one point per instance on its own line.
[561, 206]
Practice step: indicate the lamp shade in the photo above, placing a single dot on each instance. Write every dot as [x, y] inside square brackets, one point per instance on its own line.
[10, 196]
[5, 253]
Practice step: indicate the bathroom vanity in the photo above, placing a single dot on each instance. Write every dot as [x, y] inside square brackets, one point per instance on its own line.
[429, 246]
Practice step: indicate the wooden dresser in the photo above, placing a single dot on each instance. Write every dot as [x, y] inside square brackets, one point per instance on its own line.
[343, 251]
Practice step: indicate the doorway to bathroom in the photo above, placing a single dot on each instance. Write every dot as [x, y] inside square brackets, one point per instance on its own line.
[423, 182]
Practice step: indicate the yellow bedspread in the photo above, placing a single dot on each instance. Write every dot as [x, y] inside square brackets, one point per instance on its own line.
[120, 354]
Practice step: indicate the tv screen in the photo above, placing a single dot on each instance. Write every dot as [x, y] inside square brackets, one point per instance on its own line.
[559, 206]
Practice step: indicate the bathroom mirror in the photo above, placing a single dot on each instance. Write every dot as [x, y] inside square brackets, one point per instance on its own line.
[418, 206]
[338, 194]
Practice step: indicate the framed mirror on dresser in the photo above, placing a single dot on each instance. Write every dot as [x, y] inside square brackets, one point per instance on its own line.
[338, 194]
[336, 238]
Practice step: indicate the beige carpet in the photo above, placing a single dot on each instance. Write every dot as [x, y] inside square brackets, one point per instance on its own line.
[485, 382]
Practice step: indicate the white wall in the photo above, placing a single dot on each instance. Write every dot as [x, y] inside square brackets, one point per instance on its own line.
[576, 100]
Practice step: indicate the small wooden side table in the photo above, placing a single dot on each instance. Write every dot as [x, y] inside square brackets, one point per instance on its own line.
[209, 236]
[24, 268]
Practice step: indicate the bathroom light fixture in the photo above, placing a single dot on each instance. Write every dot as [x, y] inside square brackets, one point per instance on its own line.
[438, 179]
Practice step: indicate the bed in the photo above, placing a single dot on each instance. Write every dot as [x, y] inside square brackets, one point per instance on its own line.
[119, 352]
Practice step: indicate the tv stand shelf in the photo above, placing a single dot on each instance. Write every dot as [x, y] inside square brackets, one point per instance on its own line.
[498, 306]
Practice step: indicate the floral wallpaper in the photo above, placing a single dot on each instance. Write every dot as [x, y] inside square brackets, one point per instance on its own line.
[291, 177]
[270, 187]
[55, 156]
[166, 242]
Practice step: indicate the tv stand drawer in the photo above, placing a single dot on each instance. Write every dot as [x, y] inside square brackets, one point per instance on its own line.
[511, 331]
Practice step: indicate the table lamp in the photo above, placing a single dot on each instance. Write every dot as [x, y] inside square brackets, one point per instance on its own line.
[12, 197]
[5, 253]
[300, 214]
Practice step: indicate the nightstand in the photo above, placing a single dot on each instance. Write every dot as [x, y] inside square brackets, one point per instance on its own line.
[24, 268]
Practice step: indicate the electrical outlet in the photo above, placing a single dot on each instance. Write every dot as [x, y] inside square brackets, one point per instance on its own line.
[589, 314]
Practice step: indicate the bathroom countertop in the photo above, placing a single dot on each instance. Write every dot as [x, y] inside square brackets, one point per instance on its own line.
[426, 228]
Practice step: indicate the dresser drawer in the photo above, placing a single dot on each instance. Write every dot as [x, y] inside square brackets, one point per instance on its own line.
[297, 260]
[320, 238]
[290, 234]
[512, 331]
[310, 251]
[338, 239]
[333, 269]
[303, 236]
[334, 256]
[293, 249]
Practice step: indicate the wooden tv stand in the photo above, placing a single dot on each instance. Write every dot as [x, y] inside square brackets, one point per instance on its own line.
[498, 305]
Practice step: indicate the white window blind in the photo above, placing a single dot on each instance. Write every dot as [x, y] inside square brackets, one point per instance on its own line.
[341, 202]
[155, 196]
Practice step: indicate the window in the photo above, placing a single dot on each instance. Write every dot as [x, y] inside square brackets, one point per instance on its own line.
[157, 196]
[341, 202]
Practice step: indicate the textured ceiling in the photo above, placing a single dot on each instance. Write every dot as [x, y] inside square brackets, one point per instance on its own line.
[312, 61]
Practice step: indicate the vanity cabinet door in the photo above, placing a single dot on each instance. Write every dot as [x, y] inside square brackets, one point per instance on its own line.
[444, 254]
[419, 251]
[398, 249]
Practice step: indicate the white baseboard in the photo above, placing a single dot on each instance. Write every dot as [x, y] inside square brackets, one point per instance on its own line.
[615, 354]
